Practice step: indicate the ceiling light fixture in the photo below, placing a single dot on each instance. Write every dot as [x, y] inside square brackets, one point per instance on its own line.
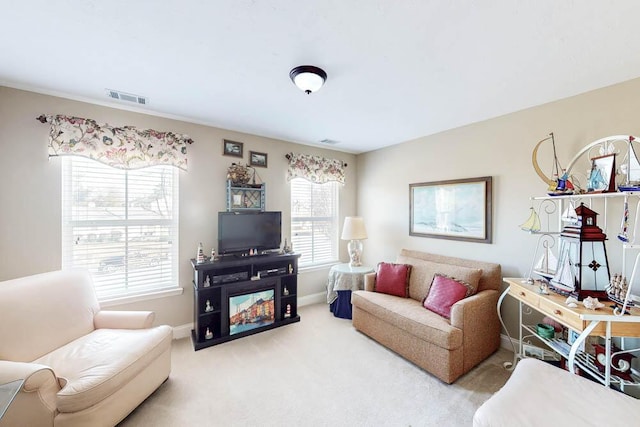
[308, 78]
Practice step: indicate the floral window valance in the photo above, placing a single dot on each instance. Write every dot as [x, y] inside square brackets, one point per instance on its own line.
[120, 147]
[316, 169]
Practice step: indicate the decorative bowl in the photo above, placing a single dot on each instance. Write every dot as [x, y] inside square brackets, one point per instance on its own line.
[546, 331]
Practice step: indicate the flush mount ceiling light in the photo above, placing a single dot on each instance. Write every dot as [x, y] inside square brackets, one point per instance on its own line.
[308, 78]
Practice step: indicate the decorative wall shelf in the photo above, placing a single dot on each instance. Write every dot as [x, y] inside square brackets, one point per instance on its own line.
[245, 197]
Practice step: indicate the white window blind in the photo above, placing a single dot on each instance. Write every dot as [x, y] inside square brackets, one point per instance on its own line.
[121, 225]
[314, 221]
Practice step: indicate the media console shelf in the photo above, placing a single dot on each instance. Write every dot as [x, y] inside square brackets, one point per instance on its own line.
[239, 296]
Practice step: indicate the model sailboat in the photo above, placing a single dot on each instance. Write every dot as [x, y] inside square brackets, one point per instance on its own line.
[632, 169]
[532, 224]
[564, 280]
[569, 214]
[547, 265]
[560, 185]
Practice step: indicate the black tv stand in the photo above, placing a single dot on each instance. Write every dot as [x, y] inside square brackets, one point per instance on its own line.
[270, 280]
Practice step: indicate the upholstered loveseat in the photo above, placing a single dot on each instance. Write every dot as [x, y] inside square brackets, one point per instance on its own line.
[81, 366]
[447, 348]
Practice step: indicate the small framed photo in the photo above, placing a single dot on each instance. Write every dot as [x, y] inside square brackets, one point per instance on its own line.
[257, 159]
[602, 175]
[232, 148]
[533, 351]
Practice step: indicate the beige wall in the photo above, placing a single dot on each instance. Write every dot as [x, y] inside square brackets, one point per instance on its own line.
[378, 181]
[30, 190]
[501, 148]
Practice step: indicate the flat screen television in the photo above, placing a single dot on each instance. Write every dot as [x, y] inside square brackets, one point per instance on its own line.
[240, 232]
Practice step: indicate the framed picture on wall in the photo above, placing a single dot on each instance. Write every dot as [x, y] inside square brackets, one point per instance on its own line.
[232, 148]
[257, 159]
[458, 209]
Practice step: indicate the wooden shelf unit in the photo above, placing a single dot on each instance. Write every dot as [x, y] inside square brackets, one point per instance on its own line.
[242, 275]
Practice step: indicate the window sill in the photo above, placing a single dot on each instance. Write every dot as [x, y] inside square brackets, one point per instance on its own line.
[109, 302]
[316, 267]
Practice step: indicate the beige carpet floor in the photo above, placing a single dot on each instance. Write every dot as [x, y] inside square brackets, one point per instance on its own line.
[318, 372]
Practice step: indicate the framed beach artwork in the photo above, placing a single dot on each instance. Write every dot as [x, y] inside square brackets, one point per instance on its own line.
[232, 148]
[257, 159]
[458, 209]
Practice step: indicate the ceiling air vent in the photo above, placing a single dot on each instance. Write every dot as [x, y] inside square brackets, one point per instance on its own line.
[129, 97]
[329, 141]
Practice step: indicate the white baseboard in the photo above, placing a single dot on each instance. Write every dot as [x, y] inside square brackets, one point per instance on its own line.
[505, 343]
[312, 299]
[182, 331]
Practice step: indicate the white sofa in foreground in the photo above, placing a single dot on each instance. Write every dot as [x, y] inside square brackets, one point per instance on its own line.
[82, 366]
[540, 394]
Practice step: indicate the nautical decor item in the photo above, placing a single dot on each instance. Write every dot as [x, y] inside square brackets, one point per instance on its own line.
[631, 169]
[238, 174]
[559, 184]
[623, 236]
[200, 255]
[532, 224]
[617, 293]
[569, 214]
[592, 303]
[602, 178]
[583, 269]
[548, 263]
[620, 361]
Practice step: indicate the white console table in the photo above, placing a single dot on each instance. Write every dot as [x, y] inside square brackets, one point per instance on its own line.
[601, 322]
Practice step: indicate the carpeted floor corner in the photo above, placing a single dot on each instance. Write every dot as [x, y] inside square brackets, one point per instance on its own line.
[318, 372]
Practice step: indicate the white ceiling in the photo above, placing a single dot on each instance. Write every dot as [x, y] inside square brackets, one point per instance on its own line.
[398, 69]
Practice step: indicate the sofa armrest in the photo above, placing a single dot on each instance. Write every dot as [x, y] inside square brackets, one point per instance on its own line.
[477, 317]
[36, 400]
[369, 281]
[110, 319]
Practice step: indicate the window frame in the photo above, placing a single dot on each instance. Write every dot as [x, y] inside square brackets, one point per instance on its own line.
[333, 218]
[170, 284]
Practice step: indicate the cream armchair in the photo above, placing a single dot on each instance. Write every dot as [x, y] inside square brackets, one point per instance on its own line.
[81, 366]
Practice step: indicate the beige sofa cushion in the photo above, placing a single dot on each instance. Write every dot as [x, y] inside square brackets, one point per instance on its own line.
[96, 365]
[422, 273]
[491, 273]
[411, 316]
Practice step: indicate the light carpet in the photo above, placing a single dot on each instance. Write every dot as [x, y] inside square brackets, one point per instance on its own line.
[318, 372]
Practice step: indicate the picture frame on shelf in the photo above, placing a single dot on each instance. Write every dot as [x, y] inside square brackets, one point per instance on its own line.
[533, 351]
[458, 209]
[257, 159]
[602, 178]
[232, 148]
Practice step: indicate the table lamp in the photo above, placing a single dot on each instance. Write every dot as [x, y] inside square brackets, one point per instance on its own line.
[354, 231]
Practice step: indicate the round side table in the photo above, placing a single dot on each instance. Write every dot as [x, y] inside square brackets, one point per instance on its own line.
[343, 279]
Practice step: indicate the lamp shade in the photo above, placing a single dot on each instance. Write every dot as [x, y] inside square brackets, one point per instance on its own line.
[308, 78]
[354, 228]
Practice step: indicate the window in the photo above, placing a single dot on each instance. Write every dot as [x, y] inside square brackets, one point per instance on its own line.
[121, 225]
[314, 221]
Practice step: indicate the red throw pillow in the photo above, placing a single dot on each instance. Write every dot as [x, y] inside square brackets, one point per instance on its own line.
[393, 279]
[444, 292]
